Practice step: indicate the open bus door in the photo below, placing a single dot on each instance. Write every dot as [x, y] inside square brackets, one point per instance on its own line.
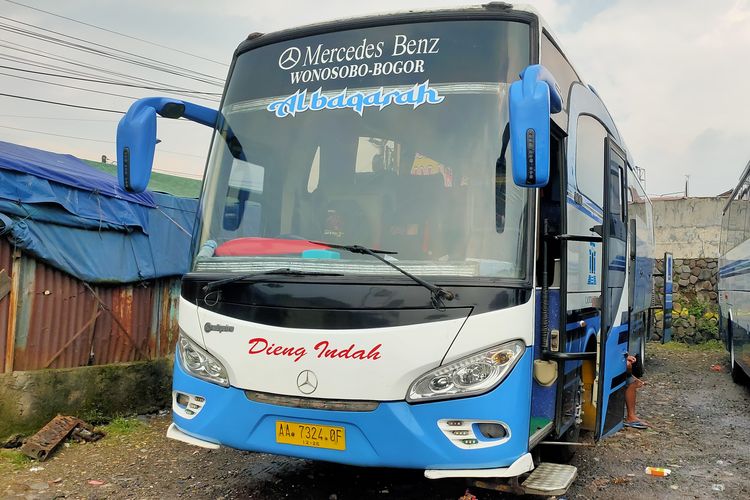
[613, 339]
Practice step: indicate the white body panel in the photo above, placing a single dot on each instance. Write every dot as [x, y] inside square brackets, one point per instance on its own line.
[381, 366]
[389, 358]
[583, 285]
[486, 330]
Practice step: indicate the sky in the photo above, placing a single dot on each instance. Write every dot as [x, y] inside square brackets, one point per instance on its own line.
[672, 73]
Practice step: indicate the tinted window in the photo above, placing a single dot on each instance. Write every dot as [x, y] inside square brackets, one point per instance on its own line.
[590, 158]
[397, 55]
[563, 72]
[346, 152]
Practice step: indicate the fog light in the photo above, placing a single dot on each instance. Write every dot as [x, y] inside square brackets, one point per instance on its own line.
[187, 405]
[471, 434]
[491, 430]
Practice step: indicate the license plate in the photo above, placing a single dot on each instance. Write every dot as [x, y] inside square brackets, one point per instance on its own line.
[312, 435]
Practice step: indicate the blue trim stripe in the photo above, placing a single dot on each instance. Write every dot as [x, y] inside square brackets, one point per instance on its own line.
[736, 268]
[585, 210]
[586, 202]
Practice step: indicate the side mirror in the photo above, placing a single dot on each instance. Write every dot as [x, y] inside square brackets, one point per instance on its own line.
[533, 100]
[136, 136]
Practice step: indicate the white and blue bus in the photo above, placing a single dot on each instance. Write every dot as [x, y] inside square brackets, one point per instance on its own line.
[406, 256]
[734, 286]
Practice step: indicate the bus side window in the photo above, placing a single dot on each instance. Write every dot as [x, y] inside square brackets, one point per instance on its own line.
[589, 158]
[615, 192]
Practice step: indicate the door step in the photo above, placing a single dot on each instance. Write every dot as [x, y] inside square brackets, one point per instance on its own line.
[550, 479]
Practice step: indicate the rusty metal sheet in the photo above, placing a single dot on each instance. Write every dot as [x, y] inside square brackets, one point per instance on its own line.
[60, 323]
[40, 445]
[164, 324]
[52, 308]
[63, 322]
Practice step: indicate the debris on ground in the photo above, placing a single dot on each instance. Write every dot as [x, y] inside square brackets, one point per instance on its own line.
[468, 495]
[41, 445]
[15, 441]
[717, 368]
[658, 471]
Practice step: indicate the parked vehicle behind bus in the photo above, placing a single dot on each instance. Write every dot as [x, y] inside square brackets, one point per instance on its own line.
[734, 285]
[406, 255]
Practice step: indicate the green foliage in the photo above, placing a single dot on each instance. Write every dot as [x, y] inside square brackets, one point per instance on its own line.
[122, 425]
[707, 327]
[697, 308]
[13, 458]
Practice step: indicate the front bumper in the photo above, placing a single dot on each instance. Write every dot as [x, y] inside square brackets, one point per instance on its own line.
[395, 434]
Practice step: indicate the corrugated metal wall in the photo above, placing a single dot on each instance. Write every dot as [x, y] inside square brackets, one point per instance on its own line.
[62, 322]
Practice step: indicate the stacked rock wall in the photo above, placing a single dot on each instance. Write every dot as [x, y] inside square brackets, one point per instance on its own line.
[695, 314]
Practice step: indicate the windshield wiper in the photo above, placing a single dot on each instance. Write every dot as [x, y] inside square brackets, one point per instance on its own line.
[437, 294]
[212, 285]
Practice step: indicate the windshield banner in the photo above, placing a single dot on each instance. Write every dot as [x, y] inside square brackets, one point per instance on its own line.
[357, 101]
[401, 56]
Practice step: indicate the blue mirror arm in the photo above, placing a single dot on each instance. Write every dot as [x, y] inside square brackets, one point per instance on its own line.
[538, 73]
[169, 107]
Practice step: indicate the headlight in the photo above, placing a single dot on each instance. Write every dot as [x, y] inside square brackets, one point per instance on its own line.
[199, 363]
[468, 376]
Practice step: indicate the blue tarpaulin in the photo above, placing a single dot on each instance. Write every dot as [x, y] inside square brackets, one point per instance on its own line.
[77, 219]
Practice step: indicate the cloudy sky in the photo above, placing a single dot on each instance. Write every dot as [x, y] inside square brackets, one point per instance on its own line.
[673, 73]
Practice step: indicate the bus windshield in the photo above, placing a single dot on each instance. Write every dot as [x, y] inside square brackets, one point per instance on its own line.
[387, 137]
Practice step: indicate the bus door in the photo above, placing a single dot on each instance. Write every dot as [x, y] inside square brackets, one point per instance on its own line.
[614, 336]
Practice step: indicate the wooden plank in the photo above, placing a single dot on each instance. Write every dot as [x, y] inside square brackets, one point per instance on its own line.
[10, 339]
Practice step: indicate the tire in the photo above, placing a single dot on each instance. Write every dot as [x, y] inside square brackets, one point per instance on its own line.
[642, 353]
[562, 454]
[738, 374]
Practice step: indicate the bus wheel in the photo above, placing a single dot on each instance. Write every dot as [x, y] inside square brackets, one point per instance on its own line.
[738, 374]
[560, 453]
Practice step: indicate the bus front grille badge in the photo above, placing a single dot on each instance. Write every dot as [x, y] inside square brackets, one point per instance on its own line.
[307, 382]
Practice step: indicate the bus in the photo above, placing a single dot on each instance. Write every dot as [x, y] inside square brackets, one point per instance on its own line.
[733, 286]
[421, 243]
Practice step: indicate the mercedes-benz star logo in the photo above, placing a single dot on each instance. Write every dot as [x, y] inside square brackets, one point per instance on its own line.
[307, 382]
[289, 58]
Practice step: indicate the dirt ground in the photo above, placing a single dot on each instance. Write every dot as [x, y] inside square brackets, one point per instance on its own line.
[700, 430]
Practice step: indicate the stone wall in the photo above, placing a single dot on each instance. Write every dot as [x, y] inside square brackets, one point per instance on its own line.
[695, 315]
[688, 227]
[30, 399]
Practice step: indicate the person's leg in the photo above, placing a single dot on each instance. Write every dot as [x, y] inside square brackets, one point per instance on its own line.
[630, 397]
[630, 401]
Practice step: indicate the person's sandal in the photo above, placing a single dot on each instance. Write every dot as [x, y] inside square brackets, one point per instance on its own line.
[635, 425]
